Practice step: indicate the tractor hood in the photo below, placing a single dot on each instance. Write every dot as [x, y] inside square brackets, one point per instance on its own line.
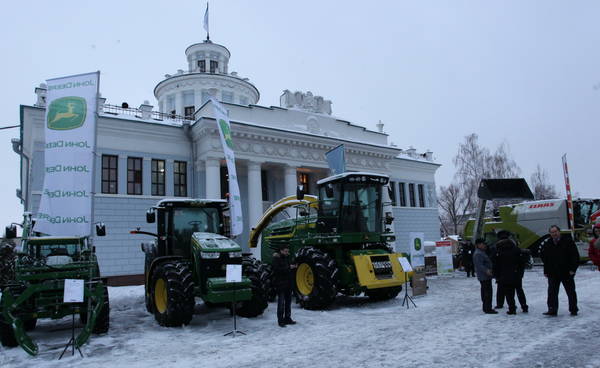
[209, 242]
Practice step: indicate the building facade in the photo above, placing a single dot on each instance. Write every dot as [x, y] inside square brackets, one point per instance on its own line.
[144, 155]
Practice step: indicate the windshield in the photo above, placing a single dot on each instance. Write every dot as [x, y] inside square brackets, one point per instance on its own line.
[189, 220]
[50, 250]
[361, 208]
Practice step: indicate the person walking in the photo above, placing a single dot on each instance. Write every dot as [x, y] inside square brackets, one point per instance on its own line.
[506, 269]
[594, 247]
[283, 277]
[467, 259]
[561, 259]
[483, 268]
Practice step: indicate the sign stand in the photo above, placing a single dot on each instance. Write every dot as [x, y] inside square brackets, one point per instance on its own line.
[73, 293]
[407, 297]
[234, 274]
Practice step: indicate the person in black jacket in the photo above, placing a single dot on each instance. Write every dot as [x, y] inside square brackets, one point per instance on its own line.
[467, 258]
[282, 279]
[506, 269]
[561, 259]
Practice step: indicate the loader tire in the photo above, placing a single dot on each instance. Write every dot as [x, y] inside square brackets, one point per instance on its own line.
[103, 319]
[7, 335]
[30, 324]
[258, 303]
[316, 278]
[172, 294]
[266, 277]
[383, 293]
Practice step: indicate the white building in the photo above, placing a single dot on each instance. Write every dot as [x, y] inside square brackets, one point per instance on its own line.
[145, 155]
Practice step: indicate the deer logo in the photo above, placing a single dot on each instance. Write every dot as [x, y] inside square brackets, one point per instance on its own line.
[66, 113]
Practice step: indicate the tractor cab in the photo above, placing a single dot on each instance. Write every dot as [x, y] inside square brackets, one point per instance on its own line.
[351, 203]
[178, 220]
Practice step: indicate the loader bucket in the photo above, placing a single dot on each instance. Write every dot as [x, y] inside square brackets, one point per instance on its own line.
[493, 189]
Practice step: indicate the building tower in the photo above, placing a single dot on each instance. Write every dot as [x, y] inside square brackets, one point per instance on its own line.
[208, 75]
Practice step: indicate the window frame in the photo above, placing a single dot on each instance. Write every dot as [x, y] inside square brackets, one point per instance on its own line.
[402, 193]
[137, 174]
[156, 175]
[421, 194]
[411, 195]
[180, 179]
[110, 171]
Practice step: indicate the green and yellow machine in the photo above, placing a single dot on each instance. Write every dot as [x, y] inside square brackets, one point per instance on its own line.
[36, 289]
[529, 221]
[340, 240]
[188, 259]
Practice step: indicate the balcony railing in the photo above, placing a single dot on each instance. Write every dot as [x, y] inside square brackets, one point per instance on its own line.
[146, 115]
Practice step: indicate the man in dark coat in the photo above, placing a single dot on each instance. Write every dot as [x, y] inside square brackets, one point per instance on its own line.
[523, 260]
[282, 279]
[467, 258]
[506, 269]
[483, 268]
[561, 259]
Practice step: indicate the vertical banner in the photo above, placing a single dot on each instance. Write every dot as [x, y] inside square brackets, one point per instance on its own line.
[417, 249]
[70, 142]
[336, 159]
[569, 197]
[443, 255]
[235, 203]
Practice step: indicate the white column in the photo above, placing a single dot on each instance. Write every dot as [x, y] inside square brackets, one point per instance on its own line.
[179, 103]
[213, 178]
[197, 98]
[255, 208]
[291, 180]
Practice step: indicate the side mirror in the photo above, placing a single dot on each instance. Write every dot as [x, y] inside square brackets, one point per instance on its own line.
[10, 232]
[300, 192]
[100, 229]
[150, 216]
[329, 190]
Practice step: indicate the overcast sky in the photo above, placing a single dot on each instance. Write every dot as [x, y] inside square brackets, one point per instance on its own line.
[524, 73]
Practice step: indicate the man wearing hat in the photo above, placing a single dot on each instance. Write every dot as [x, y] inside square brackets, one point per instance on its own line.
[282, 280]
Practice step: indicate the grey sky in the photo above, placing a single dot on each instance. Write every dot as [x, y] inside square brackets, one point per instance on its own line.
[512, 71]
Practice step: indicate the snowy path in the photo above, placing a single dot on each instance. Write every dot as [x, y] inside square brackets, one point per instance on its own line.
[446, 330]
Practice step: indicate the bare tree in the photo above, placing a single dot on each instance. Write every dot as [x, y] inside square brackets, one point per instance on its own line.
[453, 205]
[542, 189]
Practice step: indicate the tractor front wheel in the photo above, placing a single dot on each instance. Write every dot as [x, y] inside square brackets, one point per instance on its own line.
[172, 294]
[251, 268]
[7, 335]
[103, 318]
[316, 278]
[383, 293]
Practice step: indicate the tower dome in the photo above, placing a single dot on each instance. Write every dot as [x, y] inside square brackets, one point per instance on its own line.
[207, 76]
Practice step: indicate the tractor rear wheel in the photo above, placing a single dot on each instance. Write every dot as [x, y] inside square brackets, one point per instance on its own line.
[172, 294]
[103, 318]
[258, 303]
[7, 335]
[383, 293]
[316, 278]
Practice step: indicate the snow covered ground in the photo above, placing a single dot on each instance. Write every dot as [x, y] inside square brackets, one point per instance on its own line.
[447, 329]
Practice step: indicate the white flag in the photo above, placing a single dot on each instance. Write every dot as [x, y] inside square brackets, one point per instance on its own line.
[206, 19]
[235, 202]
[70, 138]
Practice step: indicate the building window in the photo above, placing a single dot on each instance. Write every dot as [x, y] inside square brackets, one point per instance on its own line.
[214, 65]
[402, 191]
[411, 195]
[202, 66]
[180, 178]
[158, 177]
[421, 195]
[303, 179]
[188, 103]
[227, 96]
[188, 111]
[393, 192]
[170, 105]
[265, 186]
[109, 174]
[134, 175]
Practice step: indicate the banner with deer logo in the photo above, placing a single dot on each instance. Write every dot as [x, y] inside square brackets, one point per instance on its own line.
[235, 202]
[70, 140]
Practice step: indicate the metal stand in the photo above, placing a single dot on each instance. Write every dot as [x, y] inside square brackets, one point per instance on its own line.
[407, 297]
[235, 330]
[72, 340]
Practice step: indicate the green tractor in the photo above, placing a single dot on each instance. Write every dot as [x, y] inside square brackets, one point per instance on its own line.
[188, 259]
[36, 289]
[340, 240]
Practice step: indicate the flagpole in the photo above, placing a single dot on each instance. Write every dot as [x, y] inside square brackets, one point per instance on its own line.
[206, 23]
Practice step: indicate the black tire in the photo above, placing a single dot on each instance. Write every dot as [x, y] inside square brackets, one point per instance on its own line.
[324, 275]
[7, 335]
[147, 287]
[258, 303]
[383, 293]
[266, 277]
[103, 319]
[30, 324]
[176, 306]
